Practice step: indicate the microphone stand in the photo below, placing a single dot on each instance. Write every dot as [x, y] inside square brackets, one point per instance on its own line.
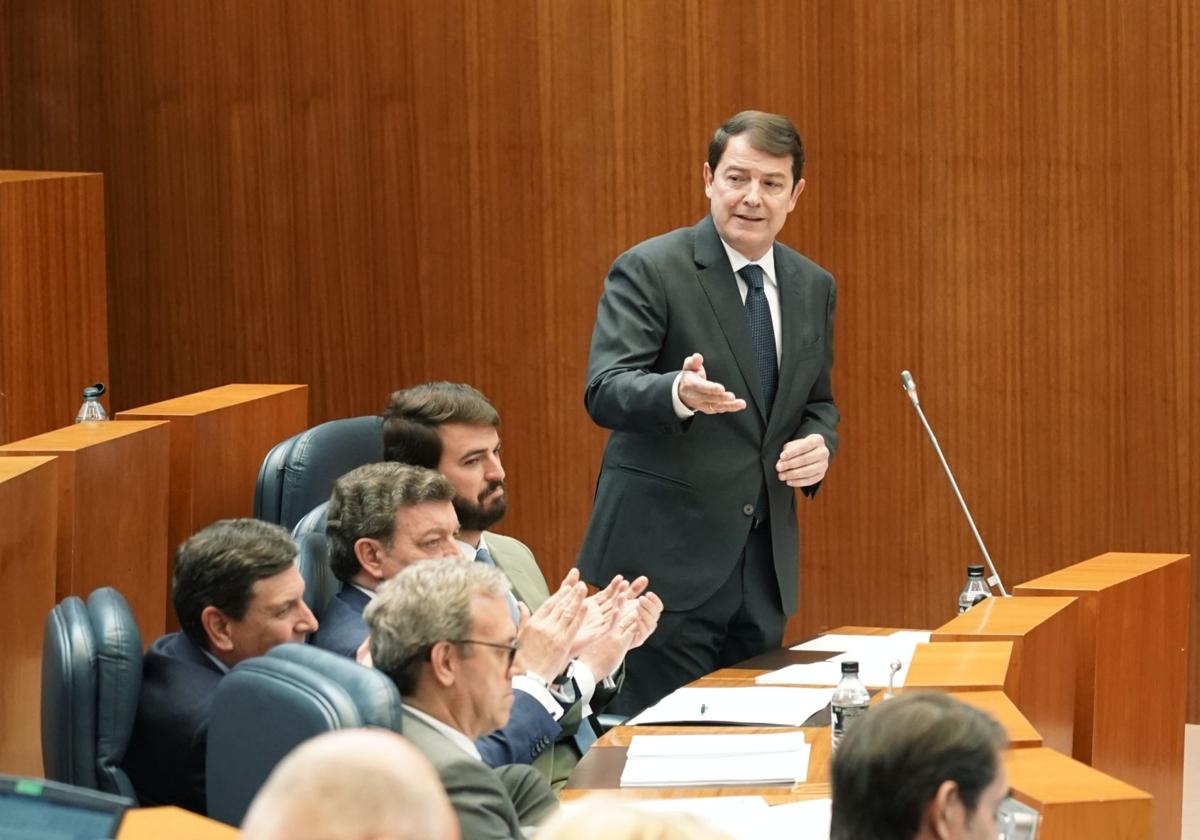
[910, 387]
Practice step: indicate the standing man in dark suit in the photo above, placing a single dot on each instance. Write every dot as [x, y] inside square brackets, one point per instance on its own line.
[237, 593]
[710, 364]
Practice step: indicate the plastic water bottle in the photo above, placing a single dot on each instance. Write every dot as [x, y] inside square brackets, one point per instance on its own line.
[92, 411]
[975, 590]
[850, 701]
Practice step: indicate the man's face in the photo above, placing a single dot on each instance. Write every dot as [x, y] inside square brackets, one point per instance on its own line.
[750, 196]
[276, 614]
[981, 825]
[487, 671]
[423, 531]
[471, 460]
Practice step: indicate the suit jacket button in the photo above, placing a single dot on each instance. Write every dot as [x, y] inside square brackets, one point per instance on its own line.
[748, 510]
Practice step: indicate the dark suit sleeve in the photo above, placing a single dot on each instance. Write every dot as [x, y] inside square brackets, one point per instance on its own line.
[629, 385]
[530, 730]
[820, 415]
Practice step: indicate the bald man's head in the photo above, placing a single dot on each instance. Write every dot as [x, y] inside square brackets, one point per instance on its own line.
[354, 784]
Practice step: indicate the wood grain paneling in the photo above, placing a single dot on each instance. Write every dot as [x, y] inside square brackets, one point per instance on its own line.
[29, 499]
[364, 195]
[112, 512]
[53, 327]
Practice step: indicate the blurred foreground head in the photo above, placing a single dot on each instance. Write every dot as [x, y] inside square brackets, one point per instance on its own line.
[353, 784]
[607, 819]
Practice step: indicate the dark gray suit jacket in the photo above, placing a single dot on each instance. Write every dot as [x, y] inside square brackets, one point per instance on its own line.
[674, 498]
[491, 804]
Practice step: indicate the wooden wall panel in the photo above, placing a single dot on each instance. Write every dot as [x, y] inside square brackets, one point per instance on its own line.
[363, 195]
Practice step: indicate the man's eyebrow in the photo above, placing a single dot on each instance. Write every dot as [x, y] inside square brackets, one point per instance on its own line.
[483, 450]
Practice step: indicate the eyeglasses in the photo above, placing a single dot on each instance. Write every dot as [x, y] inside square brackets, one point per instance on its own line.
[512, 647]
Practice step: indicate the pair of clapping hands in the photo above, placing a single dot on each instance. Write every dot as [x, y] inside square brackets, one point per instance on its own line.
[597, 629]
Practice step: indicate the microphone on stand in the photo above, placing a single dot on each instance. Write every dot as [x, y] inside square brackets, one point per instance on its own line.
[910, 388]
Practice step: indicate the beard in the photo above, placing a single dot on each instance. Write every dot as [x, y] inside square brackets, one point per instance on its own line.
[475, 515]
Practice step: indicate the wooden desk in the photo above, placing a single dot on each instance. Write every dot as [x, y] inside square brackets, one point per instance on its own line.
[53, 298]
[962, 666]
[174, 823]
[1075, 800]
[28, 534]
[1133, 631]
[112, 512]
[219, 438]
[1041, 679]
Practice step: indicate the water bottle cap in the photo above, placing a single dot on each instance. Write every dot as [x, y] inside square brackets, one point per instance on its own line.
[93, 391]
[975, 570]
[849, 667]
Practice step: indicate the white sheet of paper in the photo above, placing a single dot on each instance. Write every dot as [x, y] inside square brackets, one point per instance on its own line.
[709, 746]
[839, 642]
[809, 819]
[748, 705]
[873, 672]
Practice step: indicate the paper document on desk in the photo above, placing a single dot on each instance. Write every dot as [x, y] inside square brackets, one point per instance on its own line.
[744, 705]
[874, 655]
[809, 819]
[714, 760]
[839, 642]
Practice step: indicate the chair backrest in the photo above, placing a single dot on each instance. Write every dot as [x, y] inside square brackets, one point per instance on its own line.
[91, 680]
[298, 474]
[320, 584]
[268, 705]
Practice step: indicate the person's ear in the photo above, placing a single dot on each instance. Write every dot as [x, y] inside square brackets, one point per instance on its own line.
[943, 815]
[369, 554]
[217, 627]
[443, 662]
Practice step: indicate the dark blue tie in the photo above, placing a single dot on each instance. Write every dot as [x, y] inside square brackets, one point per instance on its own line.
[762, 333]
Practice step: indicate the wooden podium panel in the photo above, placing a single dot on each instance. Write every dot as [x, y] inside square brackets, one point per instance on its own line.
[219, 438]
[1041, 680]
[965, 666]
[53, 298]
[172, 822]
[1075, 800]
[1131, 680]
[112, 512]
[28, 529]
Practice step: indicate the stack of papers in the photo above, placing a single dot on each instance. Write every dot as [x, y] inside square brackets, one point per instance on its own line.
[874, 655]
[714, 760]
[747, 705]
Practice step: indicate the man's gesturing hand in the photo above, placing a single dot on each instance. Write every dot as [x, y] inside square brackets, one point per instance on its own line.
[701, 395]
[803, 462]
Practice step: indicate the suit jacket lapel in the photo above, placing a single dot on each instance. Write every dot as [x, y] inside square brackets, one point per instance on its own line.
[717, 281]
[791, 315]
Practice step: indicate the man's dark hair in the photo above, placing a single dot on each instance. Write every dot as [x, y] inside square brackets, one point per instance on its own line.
[218, 566]
[893, 760]
[364, 504]
[412, 417]
[773, 134]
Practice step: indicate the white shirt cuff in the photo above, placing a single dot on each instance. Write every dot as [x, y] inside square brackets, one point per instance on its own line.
[585, 683]
[681, 410]
[538, 692]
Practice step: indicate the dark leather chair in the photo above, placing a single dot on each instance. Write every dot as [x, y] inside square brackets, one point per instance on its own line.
[268, 705]
[313, 559]
[298, 474]
[91, 680]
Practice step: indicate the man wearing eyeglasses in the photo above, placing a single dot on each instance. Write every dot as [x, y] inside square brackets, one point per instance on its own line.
[443, 632]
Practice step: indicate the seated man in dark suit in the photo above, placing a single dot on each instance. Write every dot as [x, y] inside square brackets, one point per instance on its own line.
[237, 594]
[923, 766]
[384, 517]
[443, 632]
